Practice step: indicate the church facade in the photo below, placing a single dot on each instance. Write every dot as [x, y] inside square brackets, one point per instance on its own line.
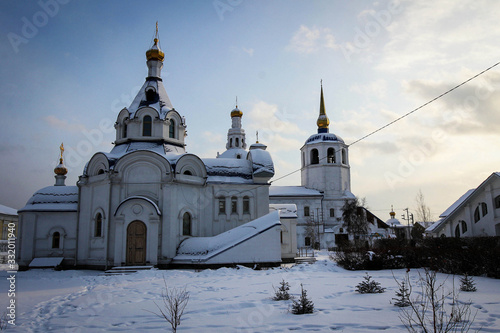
[136, 204]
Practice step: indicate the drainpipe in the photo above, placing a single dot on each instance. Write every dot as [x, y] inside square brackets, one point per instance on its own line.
[108, 224]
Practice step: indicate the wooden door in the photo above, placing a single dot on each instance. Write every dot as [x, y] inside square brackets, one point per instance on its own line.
[136, 243]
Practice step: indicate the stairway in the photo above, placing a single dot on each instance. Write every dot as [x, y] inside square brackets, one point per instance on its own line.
[124, 270]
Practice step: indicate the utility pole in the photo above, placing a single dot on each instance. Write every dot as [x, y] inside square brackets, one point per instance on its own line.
[409, 217]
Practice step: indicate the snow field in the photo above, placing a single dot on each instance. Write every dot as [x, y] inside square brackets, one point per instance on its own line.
[223, 300]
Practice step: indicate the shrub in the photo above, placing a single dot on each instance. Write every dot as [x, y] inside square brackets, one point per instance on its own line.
[369, 286]
[303, 305]
[282, 293]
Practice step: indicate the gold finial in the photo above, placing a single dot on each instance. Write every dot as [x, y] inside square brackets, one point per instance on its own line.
[155, 53]
[392, 212]
[236, 101]
[323, 121]
[61, 169]
[236, 112]
[257, 134]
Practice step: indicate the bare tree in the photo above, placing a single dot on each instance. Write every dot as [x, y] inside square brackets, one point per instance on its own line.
[174, 303]
[423, 211]
[354, 216]
[435, 310]
[312, 231]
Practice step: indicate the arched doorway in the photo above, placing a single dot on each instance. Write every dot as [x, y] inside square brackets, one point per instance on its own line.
[136, 243]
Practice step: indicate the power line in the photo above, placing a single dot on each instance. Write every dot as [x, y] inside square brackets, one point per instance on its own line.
[403, 116]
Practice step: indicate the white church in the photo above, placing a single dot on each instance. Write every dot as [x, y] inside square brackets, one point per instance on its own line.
[149, 202]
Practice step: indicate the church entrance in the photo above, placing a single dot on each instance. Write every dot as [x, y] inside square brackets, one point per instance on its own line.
[136, 243]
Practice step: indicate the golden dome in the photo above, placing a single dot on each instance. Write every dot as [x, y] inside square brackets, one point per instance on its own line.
[60, 170]
[236, 112]
[154, 53]
[323, 121]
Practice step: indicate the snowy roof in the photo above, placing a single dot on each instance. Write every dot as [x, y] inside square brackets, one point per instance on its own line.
[7, 210]
[262, 162]
[457, 203]
[323, 137]
[160, 102]
[435, 226]
[204, 248]
[234, 153]
[53, 198]
[393, 222]
[228, 170]
[285, 210]
[292, 191]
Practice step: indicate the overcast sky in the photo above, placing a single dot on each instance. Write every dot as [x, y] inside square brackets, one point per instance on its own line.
[68, 67]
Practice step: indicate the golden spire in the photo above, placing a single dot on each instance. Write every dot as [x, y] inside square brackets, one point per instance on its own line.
[61, 170]
[393, 215]
[323, 121]
[236, 112]
[155, 53]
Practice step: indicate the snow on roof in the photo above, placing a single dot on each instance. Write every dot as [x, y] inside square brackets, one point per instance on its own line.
[393, 222]
[435, 226]
[234, 153]
[228, 170]
[285, 210]
[262, 162]
[204, 248]
[7, 210]
[322, 137]
[457, 203]
[292, 191]
[160, 102]
[53, 198]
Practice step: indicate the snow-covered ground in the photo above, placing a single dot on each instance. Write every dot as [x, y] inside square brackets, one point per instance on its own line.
[222, 300]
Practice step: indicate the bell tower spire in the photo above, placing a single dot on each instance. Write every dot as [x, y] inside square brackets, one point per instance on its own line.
[323, 121]
[155, 57]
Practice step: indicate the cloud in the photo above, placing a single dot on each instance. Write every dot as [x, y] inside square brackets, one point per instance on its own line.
[248, 51]
[63, 124]
[310, 40]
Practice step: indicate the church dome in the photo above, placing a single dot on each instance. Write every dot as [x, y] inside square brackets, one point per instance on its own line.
[324, 137]
[154, 53]
[60, 169]
[236, 112]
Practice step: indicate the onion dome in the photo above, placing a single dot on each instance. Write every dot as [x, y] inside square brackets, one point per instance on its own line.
[60, 170]
[154, 53]
[236, 112]
[323, 121]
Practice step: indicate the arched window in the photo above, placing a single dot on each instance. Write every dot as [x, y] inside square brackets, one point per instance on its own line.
[124, 133]
[186, 224]
[306, 211]
[477, 217]
[303, 159]
[98, 225]
[314, 156]
[234, 205]
[464, 226]
[147, 126]
[307, 241]
[237, 142]
[332, 212]
[344, 156]
[56, 240]
[246, 205]
[331, 155]
[484, 208]
[171, 129]
[222, 205]
[100, 172]
[457, 231]
[230, 142]
[187, 172]
[497, 202]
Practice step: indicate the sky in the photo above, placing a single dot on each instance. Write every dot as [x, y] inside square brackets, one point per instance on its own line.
[68, 67]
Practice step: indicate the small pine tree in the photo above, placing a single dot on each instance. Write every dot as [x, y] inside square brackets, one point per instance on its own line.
[402, 296]
[467, 283]
[282, 293]
[369, 286]
[303, 304]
